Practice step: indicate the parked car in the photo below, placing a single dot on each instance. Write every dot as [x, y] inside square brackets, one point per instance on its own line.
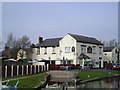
[118, 65]
[111, 66]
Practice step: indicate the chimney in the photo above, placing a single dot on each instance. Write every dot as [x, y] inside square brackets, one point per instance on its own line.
[40, 39]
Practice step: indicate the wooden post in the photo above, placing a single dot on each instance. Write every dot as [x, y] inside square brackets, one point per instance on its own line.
[44, 67]
[31, 69]
[47, 67]
[5, 71]
[38, 68]
[17, 70]
[41, 68]
[22, 69]
[34, 68]
[12, 70]
[27, 69]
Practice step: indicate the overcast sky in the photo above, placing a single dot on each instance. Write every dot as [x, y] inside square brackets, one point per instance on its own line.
[50, 19]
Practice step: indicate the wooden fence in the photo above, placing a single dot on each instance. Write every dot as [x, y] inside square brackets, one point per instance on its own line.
[23, 69]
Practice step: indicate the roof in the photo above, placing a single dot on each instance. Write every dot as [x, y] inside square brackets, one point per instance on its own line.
[28, 50]
[83, 56]
[55, 41]
[50, 42]
[85, 39]
[108, 49]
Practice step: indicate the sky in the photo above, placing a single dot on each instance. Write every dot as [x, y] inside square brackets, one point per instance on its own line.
[56, 19]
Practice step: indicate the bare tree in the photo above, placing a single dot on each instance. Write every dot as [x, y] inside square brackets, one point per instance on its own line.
[25, 42]
[12, 42]
[110, 43]
[113, 42]
[1, 45]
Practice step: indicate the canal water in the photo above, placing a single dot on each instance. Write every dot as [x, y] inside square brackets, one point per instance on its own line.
[106, 83]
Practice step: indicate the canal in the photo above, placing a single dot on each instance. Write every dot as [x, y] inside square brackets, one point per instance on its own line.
[106, 83]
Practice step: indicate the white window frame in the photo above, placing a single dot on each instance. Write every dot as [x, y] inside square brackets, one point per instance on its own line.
[45, 50]
[94, 49]
[67, 49]
[53, 50]
[83, 48]
[38, 51]
[100, 50]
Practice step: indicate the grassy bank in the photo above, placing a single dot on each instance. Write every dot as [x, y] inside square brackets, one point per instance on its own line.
[84, 75]
[28, 82]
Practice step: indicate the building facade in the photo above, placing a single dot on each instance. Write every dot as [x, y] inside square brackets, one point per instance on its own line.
[68, 49]
[111, 55]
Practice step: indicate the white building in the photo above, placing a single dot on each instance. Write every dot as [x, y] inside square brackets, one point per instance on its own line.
[110, 55]
[68, 49]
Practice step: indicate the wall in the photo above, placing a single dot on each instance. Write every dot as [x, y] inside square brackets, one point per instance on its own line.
[111, 56]
[93, 56]
[68, 41]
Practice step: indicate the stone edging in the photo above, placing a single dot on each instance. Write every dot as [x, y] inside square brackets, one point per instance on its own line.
[98, 78]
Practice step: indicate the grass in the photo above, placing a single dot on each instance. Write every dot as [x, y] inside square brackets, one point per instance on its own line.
[28, 82]
[13, 77]
[84, 75]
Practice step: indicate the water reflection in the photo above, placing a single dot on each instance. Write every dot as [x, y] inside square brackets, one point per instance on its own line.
[106, 83]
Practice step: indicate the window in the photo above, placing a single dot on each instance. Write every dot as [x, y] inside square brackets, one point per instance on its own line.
[73, 49]
[100, 50]
[53, 50]
[38, 51]
[100, 58]
[89, 50]
[115, 50]
[67, 49]
[83, 48]
[94, 49]
[45, 50]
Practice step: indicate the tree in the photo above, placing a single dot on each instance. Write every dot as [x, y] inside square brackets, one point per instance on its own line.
[12, 42]
[1, 45]
[110, 43]
[25, 42]
[113, 42]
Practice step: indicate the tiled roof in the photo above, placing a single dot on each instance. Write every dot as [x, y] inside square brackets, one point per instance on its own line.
[108, 49]
[50, 42]
[79, 38]
[28, 50]
[85, 39]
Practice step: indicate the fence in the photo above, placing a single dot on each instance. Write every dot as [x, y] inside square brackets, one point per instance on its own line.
[23, 69]
[31, 69]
